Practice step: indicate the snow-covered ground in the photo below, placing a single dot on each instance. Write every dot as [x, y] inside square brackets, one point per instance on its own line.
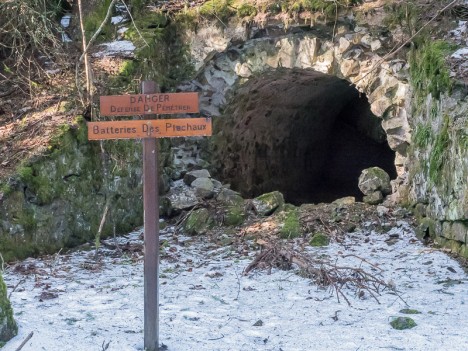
[72, 303]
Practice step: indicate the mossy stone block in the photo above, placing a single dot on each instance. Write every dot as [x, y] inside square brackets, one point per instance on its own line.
[464, 251]
[420, 211]
[234, 215]
[8, 327]
[374, 179]
[198, 222]
[319, 239]
[290, 226]
[267, 203]
[402, 323]
[426, 229]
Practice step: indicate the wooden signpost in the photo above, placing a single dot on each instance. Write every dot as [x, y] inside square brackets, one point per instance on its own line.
[150, 102]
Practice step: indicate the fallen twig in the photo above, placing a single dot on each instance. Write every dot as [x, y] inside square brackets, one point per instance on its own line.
[25, 341]
[101, 225]
[105, 346]
[14, 288]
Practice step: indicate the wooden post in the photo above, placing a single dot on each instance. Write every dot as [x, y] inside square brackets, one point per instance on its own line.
[150, 102]
[151, 234]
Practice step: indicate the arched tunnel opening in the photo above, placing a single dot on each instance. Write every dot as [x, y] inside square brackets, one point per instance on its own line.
[302, 132]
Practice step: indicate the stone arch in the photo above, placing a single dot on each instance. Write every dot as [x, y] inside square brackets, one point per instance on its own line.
[353, 56]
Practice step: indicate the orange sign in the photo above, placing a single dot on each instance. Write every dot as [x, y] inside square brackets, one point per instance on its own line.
[149, 104]
[155, 128]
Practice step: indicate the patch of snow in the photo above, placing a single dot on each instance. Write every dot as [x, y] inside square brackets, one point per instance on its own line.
[459, 34]
[66, 38]
[65, 21]
[118, 19]
[208, 304]
[123, 48]
[122, 30]
[121, 8]
[460, 53]
[52, 71]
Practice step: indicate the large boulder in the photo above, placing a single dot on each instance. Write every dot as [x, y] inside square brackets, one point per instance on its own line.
[203, 187]
[267, 203]
[8, 327]
[179, 198]
[374, 179]
[189, 177]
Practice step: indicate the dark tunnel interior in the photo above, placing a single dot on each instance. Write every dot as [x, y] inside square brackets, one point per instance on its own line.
[304, 133]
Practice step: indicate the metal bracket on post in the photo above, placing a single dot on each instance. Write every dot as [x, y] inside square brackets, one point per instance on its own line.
[151, 234]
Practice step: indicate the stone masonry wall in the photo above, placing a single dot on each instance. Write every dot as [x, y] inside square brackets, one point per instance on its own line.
[229, 56]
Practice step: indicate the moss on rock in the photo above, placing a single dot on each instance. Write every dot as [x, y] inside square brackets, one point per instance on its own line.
[319, 239]
[291, 226]
[234, 215]
[57, 200]
[401, 323]
[198, 222]
[8, 327]
[374, 179]
[234, 212]
[464, 251]
[268, 203]
[426, 229]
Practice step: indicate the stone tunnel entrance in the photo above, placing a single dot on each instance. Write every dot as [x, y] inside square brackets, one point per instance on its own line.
[304, 133]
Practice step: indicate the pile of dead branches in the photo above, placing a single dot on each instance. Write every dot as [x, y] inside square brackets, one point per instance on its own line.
[323, 273]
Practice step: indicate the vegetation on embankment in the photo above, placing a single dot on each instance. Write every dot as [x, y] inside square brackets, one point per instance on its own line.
[58, 199]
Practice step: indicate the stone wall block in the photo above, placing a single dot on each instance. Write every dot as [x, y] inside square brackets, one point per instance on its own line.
[205, 41]
[454, 231]
[324, 62]
[398, 143]
[243, 70]
[378, 93]
[343, 45]
[397, 65]
[272, 61]
[189, 177]
[286, 53]
[366, 40]
[375, 45]
[349, 68]
[395, 124]
[380, 106]
[307, 52]
[227, 78]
